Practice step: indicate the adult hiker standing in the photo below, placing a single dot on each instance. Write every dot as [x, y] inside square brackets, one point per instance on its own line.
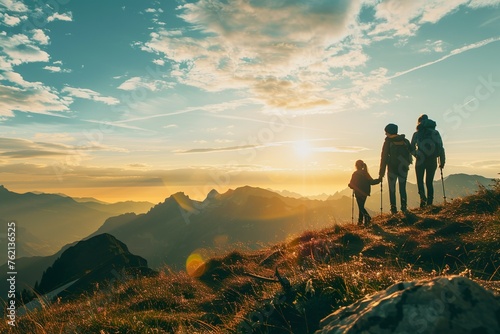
[361, 183]
[396, 158]
[427, 147]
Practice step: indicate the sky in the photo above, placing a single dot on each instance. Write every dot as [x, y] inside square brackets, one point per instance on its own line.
[137, 100]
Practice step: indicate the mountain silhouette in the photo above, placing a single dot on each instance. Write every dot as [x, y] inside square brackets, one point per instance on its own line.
[47, 222]
[345, 278]
[171, 230]
[91, 261]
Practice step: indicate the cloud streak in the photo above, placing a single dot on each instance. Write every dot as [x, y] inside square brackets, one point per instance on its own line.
[217, 149]
[15, 148]
[453, 53]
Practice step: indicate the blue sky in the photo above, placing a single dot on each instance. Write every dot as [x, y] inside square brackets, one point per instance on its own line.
[141, 99]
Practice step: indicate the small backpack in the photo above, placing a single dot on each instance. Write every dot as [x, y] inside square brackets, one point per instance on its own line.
[400, 153]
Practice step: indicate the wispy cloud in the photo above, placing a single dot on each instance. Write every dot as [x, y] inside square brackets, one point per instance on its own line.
[60, 17]
[138, 82]
[21, 148]
[56, 69]
[14, 5]
[490, 21]
[433, 46]
[21, 49]
[40, 37]
[289, 54]
[25, 149]
[210, 108]
[11, 21]
[217, 149]
[404, 18]
[28, 154]
[289, 143]
[37, 99]
[340, 149]
[454, 52]
[265, 47]
[89, 94]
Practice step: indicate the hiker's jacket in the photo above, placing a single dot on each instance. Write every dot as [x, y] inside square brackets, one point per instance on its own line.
[394, 164]
[361, 183]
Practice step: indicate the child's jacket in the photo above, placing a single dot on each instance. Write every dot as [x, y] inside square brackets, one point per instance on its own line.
[361, 183]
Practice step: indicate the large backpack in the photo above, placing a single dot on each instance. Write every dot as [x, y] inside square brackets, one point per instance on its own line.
[429, 144]
[400, 153]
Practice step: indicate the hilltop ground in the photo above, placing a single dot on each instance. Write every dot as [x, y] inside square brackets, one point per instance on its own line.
[319, 271]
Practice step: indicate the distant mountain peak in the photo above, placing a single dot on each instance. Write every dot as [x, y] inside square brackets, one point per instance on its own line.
[211, 195]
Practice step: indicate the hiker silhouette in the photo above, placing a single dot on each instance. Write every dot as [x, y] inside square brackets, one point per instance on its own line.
[361, 183]
[427, 147]
[396, 157]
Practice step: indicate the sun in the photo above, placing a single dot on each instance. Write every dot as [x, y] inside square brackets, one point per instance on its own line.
[303, 149]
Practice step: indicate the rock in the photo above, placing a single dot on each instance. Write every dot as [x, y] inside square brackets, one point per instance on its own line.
[442, 305]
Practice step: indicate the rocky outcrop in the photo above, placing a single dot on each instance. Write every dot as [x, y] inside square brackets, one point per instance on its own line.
[95, 260]
[442, 305]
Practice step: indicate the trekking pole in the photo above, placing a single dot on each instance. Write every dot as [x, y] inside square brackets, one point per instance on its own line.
[381, 188]
[352, 208]
[442, 182]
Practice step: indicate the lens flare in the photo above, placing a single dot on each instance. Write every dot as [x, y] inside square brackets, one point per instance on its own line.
[195, 265]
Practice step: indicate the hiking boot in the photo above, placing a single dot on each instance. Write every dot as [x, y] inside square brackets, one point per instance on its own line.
[368, 219]
[394, 210]
[423, 202]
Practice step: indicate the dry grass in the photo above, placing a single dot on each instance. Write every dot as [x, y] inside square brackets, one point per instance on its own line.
[326, 269]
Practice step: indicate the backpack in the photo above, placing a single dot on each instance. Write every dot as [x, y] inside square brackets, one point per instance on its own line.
[429, 144]
[400, 153]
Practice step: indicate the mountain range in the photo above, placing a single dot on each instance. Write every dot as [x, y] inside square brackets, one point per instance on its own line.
[377, 277]
[47, 222]
[246, 217]
[249, 216]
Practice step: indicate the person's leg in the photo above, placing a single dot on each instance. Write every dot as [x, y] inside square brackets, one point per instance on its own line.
[363, 211]
[419, 172]
[391, 180]
[402, 177]
[361, 208]
[430, 171]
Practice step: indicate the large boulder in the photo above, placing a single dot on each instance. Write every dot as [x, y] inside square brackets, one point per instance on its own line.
[442, 305]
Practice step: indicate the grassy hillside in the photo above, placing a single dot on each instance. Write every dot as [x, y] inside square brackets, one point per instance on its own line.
[318, 272]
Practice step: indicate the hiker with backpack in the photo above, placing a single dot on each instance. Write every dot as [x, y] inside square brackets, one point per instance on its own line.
[427, 147]
[361, 183]
[396, 158]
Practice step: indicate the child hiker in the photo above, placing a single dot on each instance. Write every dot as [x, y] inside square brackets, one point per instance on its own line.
[361, 183]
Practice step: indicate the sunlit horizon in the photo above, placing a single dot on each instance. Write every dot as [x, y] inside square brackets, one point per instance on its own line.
[137, 101]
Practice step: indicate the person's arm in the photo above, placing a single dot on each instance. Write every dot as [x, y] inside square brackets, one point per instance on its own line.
[413, 144]
[383, 159]
[410, 158]
[442, 156]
